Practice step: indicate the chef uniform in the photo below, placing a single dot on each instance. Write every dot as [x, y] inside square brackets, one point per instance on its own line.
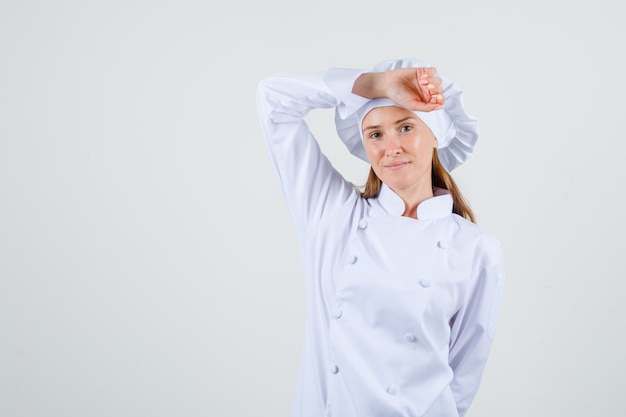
[401, 312]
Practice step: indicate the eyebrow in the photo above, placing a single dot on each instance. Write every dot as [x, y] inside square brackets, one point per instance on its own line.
[397, 122]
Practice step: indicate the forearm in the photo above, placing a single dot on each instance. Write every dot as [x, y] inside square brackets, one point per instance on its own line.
[370, 85]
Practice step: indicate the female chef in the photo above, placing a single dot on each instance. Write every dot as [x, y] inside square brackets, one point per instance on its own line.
[402, 287]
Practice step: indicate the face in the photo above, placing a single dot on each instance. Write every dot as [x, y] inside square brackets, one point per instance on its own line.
[400, 147]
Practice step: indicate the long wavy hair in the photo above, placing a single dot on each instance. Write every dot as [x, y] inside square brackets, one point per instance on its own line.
[440, 178]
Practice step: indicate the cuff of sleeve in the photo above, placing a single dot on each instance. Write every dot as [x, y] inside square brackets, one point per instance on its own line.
[340, 82]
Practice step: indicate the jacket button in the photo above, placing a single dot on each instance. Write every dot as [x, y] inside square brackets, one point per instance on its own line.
[425, 283]
[334, 369]
[410, 337]
[442, 245]
[337, 313]
[392, 390]
[353, 259]
[362, 224]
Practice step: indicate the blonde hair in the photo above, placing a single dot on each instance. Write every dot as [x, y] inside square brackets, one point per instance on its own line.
[440, 178]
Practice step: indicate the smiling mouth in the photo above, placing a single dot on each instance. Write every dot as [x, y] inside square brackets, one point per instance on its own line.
[396, 165]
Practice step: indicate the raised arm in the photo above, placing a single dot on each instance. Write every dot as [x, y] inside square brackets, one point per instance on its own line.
[312, 188]
[413, 88]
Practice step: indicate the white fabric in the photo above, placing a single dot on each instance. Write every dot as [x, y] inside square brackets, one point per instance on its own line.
[400, 312]
[455, 130]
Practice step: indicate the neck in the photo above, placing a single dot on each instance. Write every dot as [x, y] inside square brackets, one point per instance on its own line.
[413, 197]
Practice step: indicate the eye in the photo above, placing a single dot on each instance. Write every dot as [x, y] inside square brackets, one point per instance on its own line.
[374, 135]
[406, 128]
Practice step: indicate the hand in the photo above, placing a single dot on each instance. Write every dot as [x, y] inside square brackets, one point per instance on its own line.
[414, 88]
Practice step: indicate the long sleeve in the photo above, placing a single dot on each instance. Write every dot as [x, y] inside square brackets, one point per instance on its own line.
[311, 186]
[474, 325]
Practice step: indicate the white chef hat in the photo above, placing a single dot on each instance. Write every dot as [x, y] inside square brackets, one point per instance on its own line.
[456, 131]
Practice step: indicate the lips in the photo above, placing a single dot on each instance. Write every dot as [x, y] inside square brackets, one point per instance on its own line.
[396, 165]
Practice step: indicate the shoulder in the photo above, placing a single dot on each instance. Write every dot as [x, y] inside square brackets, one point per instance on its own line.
[483, 241]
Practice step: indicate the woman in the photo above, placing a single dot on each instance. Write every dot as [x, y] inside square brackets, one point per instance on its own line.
[402, 287]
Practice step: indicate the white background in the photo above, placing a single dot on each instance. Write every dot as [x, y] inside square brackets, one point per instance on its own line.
[148, 266]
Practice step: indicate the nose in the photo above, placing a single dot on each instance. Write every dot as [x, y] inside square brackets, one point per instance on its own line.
[393, 147]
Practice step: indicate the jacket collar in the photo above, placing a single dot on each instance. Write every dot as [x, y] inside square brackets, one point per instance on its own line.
[440, 205]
